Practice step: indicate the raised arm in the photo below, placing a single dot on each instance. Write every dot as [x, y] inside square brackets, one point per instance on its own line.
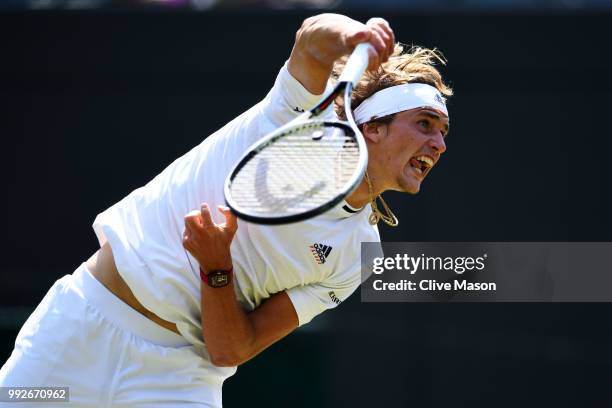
[324, 38]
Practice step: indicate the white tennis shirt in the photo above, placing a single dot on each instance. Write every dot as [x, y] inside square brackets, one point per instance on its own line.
[316, 261]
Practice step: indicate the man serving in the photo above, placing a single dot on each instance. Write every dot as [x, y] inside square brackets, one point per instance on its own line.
[180, 293]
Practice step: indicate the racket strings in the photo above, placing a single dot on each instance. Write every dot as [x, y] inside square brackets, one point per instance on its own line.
[305, 168]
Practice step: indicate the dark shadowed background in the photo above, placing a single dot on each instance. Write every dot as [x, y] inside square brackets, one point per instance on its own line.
[95, 103]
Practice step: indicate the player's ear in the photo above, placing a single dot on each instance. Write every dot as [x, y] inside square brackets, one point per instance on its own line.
[374, 131]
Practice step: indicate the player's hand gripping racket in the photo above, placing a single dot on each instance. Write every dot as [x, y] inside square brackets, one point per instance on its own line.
[305, 167]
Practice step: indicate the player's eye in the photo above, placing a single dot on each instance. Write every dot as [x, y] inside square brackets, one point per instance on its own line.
[424, 123]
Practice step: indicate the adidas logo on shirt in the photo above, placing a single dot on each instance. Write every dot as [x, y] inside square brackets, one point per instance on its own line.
[320, 252]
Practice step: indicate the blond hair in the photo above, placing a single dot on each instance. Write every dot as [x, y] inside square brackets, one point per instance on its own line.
[415, 65]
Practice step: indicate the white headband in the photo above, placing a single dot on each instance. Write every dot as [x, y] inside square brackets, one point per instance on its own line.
[399, 98]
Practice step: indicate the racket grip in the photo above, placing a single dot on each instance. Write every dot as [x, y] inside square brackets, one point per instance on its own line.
[356, 64]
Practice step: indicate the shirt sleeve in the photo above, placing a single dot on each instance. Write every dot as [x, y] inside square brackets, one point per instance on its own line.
[288, 99]
[313, 299]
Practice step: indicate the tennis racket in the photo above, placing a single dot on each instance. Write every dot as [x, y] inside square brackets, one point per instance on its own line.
[307, 166]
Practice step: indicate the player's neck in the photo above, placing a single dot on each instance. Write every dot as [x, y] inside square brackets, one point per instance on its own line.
[361, 196]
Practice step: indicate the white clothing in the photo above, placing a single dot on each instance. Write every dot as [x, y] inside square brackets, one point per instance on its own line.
[145, 229]
[83, 337]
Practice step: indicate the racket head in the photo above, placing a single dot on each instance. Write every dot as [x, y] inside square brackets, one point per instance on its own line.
[297, 172]
[306, 167]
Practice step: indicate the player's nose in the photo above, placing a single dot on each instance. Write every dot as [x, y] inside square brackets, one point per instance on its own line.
[437, 143]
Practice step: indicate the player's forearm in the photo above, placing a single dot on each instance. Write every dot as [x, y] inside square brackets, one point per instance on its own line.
[322, 39]
[229, 333]
[318, 43]
[306, 63]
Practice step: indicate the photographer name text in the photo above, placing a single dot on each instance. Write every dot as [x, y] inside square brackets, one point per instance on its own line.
[413, 264]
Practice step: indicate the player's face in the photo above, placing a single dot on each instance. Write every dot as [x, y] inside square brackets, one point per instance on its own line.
[413, 144]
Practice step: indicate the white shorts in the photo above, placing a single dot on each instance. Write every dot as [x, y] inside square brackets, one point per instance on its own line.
[83, 337]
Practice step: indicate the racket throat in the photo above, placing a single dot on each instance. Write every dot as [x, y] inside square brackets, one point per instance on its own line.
[317, 110]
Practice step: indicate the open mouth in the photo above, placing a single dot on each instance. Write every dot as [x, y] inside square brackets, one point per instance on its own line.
[421, 164]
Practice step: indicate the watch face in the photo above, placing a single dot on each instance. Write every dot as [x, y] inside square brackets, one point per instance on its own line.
[218, 279]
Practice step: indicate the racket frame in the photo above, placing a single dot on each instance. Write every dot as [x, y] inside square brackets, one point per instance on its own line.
[353, 71]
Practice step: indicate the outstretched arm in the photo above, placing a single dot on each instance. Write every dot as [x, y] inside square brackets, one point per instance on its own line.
[324, 38]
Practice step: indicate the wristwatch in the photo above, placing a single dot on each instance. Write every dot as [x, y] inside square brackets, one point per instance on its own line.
[218, 278]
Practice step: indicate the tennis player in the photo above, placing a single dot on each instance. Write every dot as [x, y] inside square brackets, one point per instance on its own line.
[180, 293]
